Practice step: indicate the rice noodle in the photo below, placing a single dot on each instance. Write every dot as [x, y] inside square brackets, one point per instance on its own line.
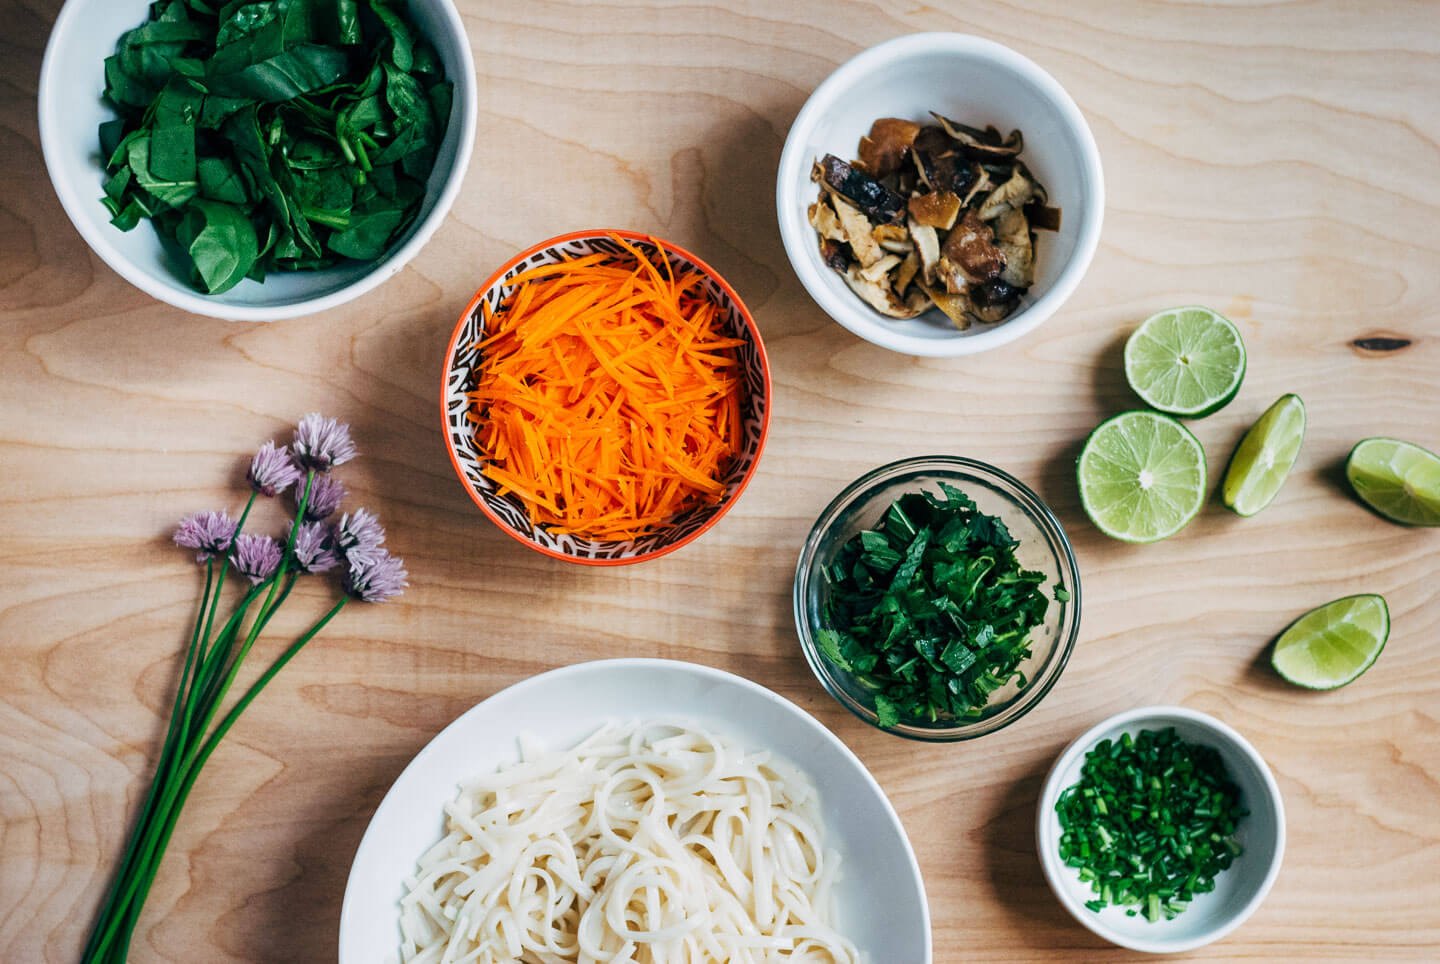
[646, 844]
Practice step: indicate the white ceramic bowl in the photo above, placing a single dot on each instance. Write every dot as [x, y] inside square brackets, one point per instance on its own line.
[1238, 890]
[72, 83]
[561, 707]
[976, 82]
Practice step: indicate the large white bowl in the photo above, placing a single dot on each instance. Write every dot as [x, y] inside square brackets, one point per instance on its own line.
[976, 82]
[880, 896]
[72, 107]
[1238, 890]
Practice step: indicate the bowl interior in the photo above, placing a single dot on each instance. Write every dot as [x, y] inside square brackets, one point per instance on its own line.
[508, 511]
[1238, 890]
[72, 107]
[1043, 548]
[974, 82]
[563, 706]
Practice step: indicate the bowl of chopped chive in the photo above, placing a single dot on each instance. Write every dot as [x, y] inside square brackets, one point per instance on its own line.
[1161, 829]
[937, 598]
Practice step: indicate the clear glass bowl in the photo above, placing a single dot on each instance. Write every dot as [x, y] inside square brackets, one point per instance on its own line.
[1043, 547]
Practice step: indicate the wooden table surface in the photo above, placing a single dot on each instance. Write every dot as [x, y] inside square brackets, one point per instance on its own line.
[1275, 161]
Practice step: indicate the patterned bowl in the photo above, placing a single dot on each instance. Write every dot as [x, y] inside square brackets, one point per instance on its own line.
[462, 358]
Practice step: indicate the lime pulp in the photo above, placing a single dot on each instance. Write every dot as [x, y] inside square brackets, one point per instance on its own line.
[1333, 644]
[1141, 476]
[1264, 457]
[1399, 480]
[1186, 361]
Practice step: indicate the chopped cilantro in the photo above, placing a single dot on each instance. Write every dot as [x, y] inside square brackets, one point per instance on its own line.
[931, 610]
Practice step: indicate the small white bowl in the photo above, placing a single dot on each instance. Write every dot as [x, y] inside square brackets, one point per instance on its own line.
[976, 82]
[1238, 891]
[72, 106]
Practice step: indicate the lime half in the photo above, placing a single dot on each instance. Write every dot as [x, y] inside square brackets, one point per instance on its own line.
[1263, 459]
[1142, 477]
[1330, 646]
[1185, 361]
[1399, 480]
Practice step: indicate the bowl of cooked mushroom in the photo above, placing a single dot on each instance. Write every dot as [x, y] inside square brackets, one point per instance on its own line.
[940, 194]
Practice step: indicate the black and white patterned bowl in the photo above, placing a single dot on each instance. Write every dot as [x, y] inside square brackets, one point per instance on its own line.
[462, 359]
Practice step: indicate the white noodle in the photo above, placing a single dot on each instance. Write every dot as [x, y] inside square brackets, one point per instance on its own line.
[645, 844]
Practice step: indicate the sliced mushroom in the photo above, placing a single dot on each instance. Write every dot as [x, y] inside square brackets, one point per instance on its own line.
[938, 209]
[955, 306]
[927, 245]
[978, 186]
[986, 145]
[971, 249]
[823, 220]
[878, 270]
[884, 150]
[858, 233]
[1012, 237]
[893, 238]
[880, 298]
[1014, 194]
[1043, 216]
[860, 189]
[994, 300]
[906, 272]
[834, 254]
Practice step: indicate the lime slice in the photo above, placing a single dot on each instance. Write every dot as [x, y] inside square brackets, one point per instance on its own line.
[1142, 477]
[1330, 646]
[1264, 456]
[1185, 361]
[1399, 480]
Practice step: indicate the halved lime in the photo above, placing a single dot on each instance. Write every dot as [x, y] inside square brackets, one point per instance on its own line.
[1185, 361]
[1330, 646]
[1142, 476]
[1263, 459]
[1399, 480]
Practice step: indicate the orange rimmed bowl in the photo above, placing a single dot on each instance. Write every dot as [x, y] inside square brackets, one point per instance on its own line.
[462, 359]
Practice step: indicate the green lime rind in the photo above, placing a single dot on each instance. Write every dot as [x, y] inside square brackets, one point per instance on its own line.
[1399, 480]
[1262, 461]
[1141, 476]
[1333, 644]
[1188, 361]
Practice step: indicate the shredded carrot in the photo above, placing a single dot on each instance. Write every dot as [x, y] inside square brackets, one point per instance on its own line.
[608, 396]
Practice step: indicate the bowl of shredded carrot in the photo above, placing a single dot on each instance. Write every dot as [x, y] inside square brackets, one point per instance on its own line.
[606, 397]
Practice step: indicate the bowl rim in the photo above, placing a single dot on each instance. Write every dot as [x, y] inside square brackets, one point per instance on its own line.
[1045, 822]
[725, 286]
[1044, 517]
[177, 296]
[865, 322]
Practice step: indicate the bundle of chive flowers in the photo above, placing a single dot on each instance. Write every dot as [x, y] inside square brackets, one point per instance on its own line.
[270, 568]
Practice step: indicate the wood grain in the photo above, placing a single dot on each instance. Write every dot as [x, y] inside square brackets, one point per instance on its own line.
[1274, 160]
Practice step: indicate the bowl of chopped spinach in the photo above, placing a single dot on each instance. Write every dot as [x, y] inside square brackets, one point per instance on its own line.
[937, 598]
[257, 160]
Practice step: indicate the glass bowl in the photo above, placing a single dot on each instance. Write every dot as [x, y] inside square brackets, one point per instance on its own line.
[1043, 547]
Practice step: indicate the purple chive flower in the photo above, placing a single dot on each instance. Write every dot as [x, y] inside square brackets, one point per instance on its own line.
[375, 577]
[322, 443]
[272, 471]
[359, 535]
[314, 548]
[326, 494]
[256, 557]
[209, 533]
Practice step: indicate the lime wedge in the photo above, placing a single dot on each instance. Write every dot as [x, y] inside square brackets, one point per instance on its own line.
[1399, 480]
[1185, 361]
[1330, 646]
[1263, 459]
[1142, 477]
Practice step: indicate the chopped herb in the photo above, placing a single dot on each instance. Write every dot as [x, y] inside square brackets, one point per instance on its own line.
[280, 135]
[931, 610]
[1150, 823]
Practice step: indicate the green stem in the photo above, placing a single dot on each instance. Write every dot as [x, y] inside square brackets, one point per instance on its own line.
[167, 753]
[139, 889]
